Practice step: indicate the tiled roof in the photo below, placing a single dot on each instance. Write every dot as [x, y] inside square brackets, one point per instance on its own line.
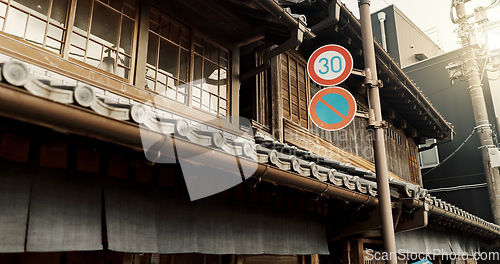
[263, 149]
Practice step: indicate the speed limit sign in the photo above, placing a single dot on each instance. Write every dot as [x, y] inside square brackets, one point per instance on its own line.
[330, 65]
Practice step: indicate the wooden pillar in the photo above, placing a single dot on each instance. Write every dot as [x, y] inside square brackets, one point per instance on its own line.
[239, 259]
[235, 82]
[276, 100]
[315, 259]
[127, 258]
[142, 46]
[346, 252]
[358, 256]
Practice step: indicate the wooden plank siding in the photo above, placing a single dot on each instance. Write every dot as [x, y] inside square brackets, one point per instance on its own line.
[303, 138]
[352, 144]
[397, 157]
[294, 81]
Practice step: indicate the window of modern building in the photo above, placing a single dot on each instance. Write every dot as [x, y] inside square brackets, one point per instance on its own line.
[103, 35]
[186, 67]
[294, 89]
[40, 22]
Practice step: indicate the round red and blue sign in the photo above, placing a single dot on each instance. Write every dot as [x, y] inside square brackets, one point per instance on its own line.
[332, 108]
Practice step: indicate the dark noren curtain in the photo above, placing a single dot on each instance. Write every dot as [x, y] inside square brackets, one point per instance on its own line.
[210, 225]
[15, 185]
[65, 213]
[53, 210]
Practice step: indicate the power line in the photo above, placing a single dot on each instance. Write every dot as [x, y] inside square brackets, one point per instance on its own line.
[453, 153]
[458, 188]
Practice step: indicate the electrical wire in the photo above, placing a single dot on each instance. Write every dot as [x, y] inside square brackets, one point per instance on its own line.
[458, 188]
[453, 153]
[493, 4]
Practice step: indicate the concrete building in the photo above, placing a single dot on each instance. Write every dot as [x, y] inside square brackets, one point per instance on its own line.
[464, 172]
[465, 167]
[403, 40]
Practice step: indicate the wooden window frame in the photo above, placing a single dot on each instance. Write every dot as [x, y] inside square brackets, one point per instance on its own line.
[293, 56]
[190, 82]
[61, 63]
[68, 29]
[48, 21]
[89, 37]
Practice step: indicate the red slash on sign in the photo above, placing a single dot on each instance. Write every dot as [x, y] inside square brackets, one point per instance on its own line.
[332, 108]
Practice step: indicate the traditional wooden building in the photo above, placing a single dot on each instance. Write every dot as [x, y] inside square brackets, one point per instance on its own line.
[112, 110]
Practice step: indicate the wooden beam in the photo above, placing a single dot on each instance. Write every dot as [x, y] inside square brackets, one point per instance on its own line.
[142, 46]
[314, 259]
[277, 106]
[413, 133]
[391, 114]
[418, 219]
[127, 258]
[361, 227]
[235, 82]
[402, 124]
[69, 28]
[346, 252]
[373, 241]
[358, 252]
[251, 36]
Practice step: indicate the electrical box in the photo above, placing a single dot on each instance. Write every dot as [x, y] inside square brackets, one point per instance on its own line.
[480, 15]
[455, 70]
[494, 154]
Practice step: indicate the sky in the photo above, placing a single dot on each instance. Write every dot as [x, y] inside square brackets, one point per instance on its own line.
[433, 18]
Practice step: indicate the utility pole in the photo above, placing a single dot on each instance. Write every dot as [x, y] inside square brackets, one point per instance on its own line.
[376, 122]
[483, 126]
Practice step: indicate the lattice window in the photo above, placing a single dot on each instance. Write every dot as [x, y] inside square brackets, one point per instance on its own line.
[294, 89]
[40, 22]
[186, 67]
[104, 35]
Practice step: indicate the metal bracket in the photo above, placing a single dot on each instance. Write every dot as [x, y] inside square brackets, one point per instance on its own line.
[260, 177]
[322, 193]
[487, 146]
[372, 123]
[378, 124]
[482, 126]
[369, 84]
[296, 38]
[361, 206]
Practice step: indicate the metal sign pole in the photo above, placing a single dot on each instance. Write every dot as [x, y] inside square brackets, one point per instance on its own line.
[377, 123]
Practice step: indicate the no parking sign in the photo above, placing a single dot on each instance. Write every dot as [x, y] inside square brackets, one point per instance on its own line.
[332, 108]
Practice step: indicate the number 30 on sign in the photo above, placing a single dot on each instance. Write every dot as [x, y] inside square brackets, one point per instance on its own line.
[330, 65]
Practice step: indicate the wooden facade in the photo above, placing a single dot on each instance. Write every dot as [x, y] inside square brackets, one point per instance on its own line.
[352, 144]
[40, 149]
[107, 62]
